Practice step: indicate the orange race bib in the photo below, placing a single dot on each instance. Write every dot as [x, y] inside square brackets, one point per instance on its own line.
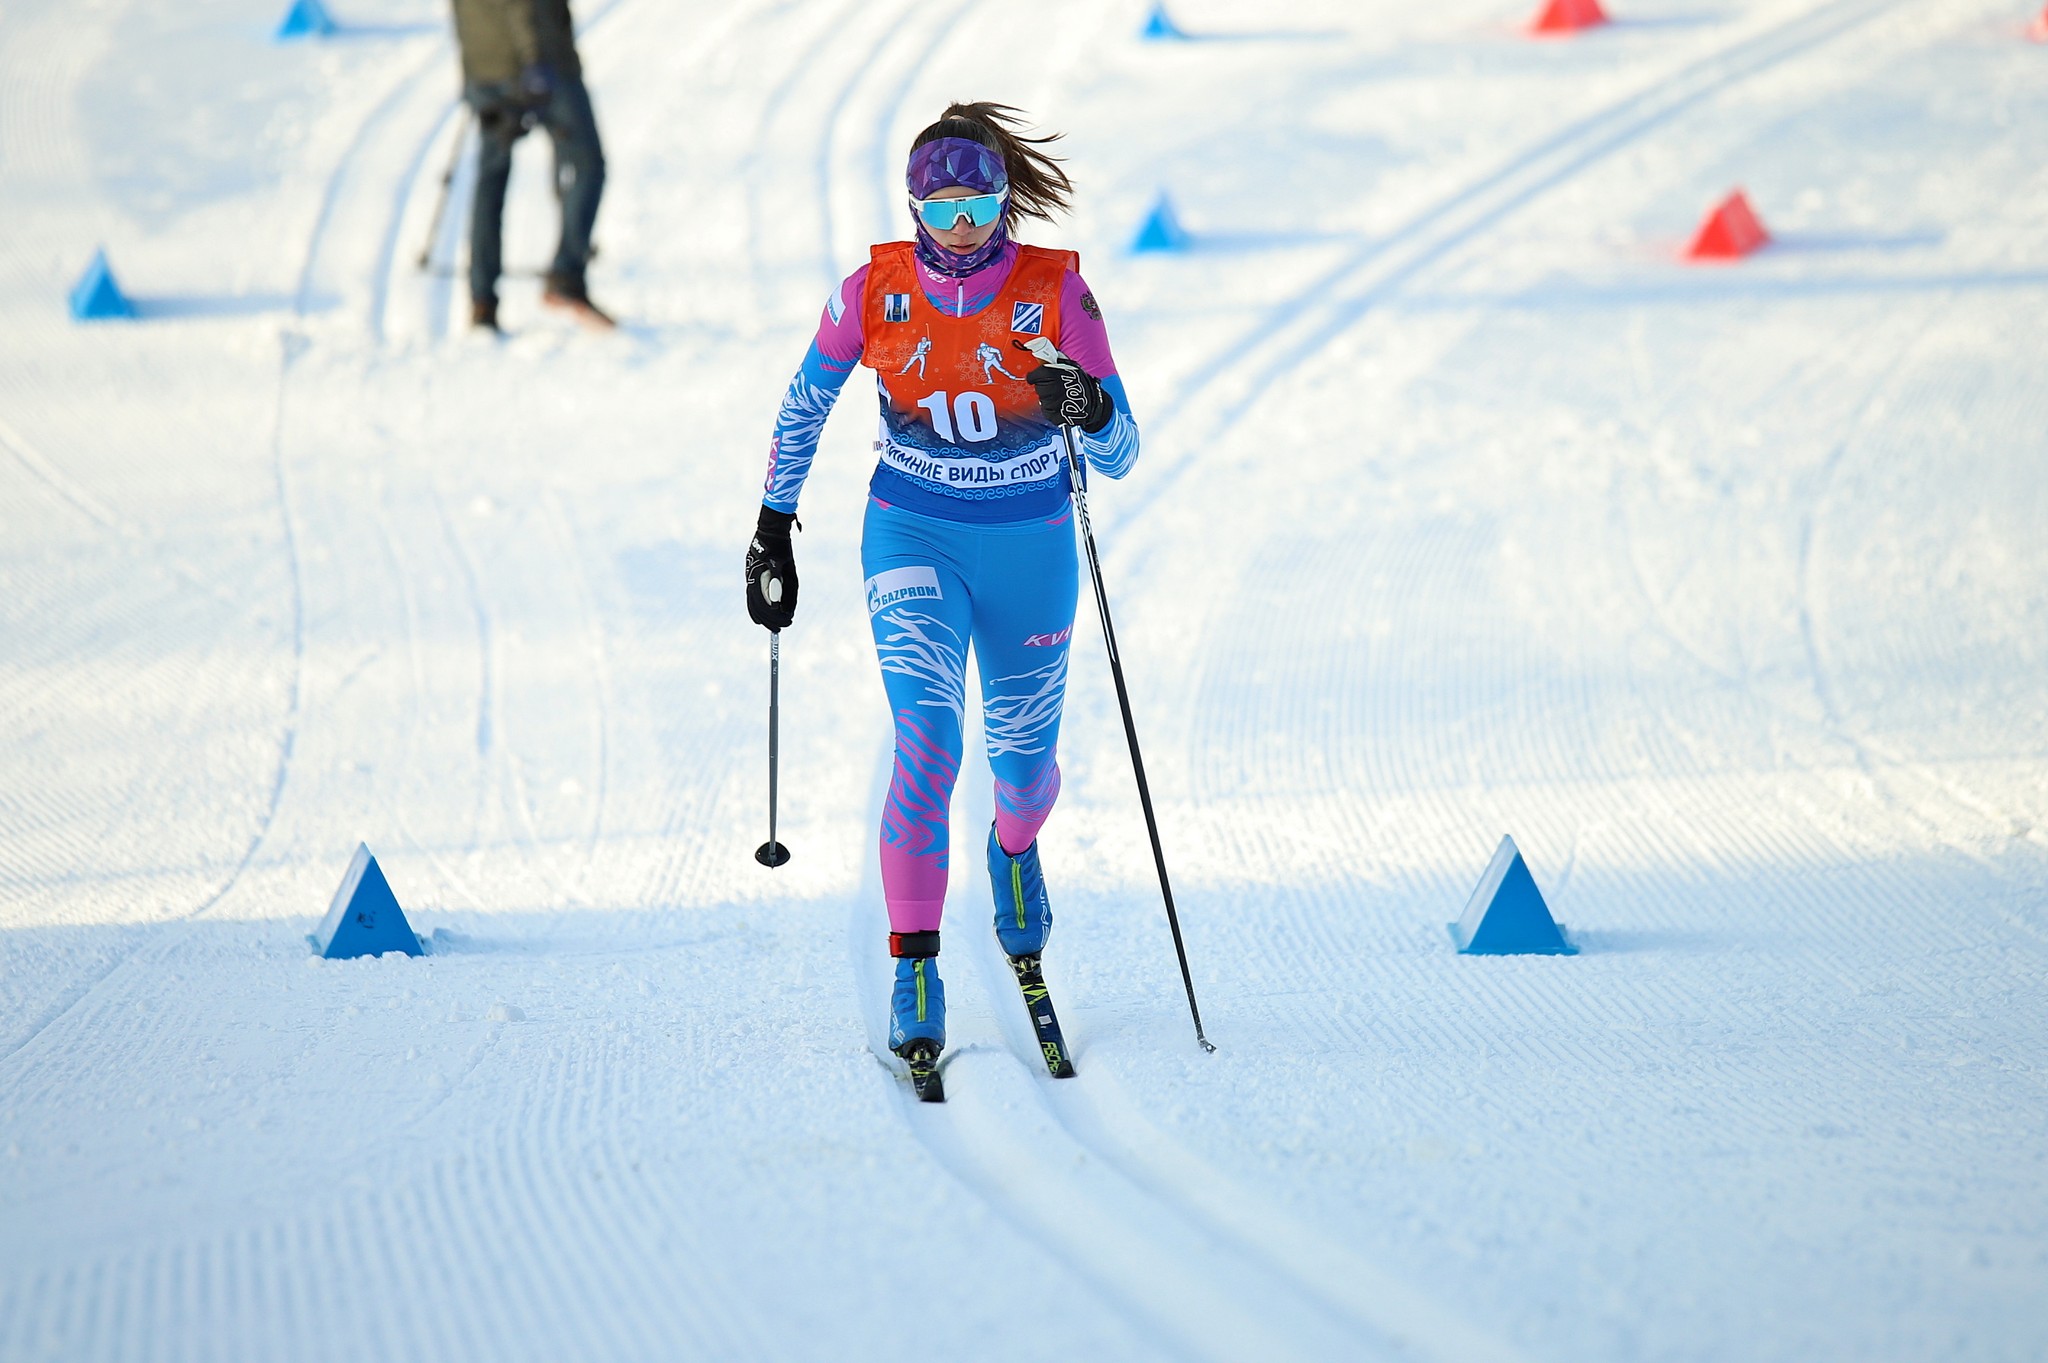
[958, 419]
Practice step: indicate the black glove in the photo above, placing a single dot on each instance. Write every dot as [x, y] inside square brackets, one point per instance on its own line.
[771, 571]
[1070, 396]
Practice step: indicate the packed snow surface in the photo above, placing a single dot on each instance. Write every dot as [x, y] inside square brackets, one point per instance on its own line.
[1465, 509]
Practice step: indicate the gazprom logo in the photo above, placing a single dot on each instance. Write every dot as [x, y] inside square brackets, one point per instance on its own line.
[1028, 318]
[899, 585]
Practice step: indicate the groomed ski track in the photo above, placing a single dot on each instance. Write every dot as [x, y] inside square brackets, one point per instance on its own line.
[1464, 510]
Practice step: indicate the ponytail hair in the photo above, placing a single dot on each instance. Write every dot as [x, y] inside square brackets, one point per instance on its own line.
[1038, 187]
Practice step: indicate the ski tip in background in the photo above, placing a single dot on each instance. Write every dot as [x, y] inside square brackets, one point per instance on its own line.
[1561, 18]
[97, 296]
[1506, 915]
[1159, 26]
[1161, 230]
[364, 919]
[1730, 231]
[305, 19]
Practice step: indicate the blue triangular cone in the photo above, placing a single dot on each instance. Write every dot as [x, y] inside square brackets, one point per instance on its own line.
[305, 19]
[96, 295]
[364, 919]
[1159, 25]
[1162, 230]
[1506, 915]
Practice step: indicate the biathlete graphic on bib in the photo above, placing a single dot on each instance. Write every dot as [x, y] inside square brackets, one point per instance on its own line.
[991, 361]
[957, 422]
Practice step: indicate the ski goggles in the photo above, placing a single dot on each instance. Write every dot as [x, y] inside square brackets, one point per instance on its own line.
[943, 215]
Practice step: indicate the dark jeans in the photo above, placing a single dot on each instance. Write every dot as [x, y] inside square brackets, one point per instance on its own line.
[579, 180]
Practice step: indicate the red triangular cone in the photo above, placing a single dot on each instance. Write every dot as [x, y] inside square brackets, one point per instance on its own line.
[1568, 16]
[1730, 232]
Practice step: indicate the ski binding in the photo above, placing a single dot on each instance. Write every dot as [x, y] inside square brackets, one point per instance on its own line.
[925, 1080]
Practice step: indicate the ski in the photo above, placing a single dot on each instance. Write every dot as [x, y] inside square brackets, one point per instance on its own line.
[1044, 1022]
[923, 1059]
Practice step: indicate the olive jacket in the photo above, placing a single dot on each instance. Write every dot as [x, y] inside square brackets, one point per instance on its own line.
[502, 39]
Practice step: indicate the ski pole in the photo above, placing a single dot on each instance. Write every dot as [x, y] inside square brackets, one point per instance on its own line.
[1047, 353]
[447, 180]
[771, 852]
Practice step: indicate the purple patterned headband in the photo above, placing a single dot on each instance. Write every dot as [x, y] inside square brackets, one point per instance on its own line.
[948, 161]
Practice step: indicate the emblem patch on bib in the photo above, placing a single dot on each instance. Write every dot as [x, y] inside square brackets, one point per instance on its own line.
[895, 307]
[1028, 318]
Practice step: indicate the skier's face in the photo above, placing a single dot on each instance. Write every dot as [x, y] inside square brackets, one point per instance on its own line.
[963, 238]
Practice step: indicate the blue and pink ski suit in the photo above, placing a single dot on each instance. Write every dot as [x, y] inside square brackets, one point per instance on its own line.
[968, 540]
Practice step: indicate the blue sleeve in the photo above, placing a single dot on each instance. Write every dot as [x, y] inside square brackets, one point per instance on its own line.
[799, 424]
[1112, 450]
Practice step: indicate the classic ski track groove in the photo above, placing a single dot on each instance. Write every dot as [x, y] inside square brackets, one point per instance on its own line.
[761, 221]
[1443, 1335]
[500, 762]
[1328, 1282]
[687, 800]
[1170, 1222]
[985, 1161]
[1796, 841]
[498, 768]
[1314, 316]
[1068, 1234]
[158, 943]
[1580, 146]
[836, 119]
[1550, 741]
[402, 578]
[566, 545]
[391, 263]
[1605, 132]
[155, 944]
[530, 1160]
[44, 140]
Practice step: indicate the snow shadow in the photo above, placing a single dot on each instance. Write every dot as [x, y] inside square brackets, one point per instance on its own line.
[345, 32]
[1826, 242]
[1225, 243]
[562, 934]
[1718, 284]
[168, 307]
[1259, 35]
[1654, 23]
[1676, 941]
[48, 970]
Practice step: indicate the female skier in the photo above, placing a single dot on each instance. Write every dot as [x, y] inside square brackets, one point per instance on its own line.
[968, 538]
